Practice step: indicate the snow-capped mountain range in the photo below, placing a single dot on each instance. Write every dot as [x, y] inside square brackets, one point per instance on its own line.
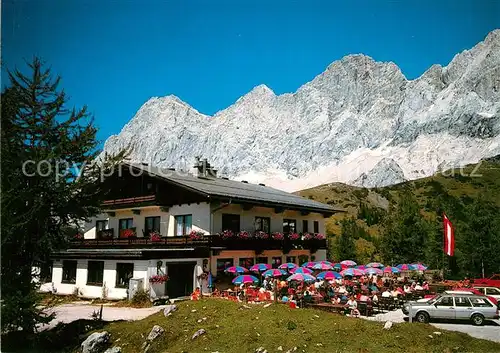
[360, 122]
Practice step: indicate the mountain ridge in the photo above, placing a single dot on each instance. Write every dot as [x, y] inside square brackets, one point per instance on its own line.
[336, 127]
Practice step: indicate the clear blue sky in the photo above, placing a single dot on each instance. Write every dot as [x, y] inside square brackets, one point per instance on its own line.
[115, 55]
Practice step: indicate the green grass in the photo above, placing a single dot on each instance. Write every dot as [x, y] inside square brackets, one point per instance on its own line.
[231, 329]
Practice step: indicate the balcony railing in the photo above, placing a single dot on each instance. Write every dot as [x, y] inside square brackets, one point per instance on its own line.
[210, 241]
[130, 201]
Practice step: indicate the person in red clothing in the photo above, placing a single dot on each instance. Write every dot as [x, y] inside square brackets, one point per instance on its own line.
[196, 294]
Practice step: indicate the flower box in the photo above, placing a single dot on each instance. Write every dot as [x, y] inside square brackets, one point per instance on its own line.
[155, 236]
[278, 236]
[158, 279]
[196, 235]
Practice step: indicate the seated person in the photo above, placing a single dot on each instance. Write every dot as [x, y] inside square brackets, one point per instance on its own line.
[418, 287]
[352, 305]
[426, 286]
[375, 298]
[386, 293]
[307, 297]
[196, 294]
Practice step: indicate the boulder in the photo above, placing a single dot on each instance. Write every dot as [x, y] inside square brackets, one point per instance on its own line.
[169, 309]
[113, 350]
[198, 333]
[96, 342]
[156, 331]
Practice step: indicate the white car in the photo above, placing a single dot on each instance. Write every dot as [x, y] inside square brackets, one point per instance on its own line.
[490, 291]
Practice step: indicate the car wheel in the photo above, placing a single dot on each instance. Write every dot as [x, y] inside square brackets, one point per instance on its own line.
[477, 320]
[422, 317]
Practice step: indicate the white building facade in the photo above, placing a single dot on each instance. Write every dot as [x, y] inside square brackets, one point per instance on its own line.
[157, 223]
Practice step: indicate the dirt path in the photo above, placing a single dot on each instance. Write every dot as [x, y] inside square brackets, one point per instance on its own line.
[70, 312]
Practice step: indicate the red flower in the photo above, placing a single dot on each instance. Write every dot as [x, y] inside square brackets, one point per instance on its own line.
[227, 234]
[261, 235]
[195, 235]
[155, 236]
[308, 236]
[293, 236]
[243, 235]
[127, 233]
[158, 279]
[278, 236]
[319, 236]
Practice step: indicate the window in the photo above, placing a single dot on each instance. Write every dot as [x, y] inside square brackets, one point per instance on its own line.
[95, 273]
[46, 272]
[69, 271]
[462, 301]
[125, 223]
[492, 291]
[276, 262]
[445, 301]
[480, 302]
[316, 226]
[124, 272]
[101, 225]
[183, 224]
[291, 259]
[246, 262]
[261, 260]
[289, 226]
[151, 224]
[222, 264]
[231, 222]
[303, 259]
[263, 224]
[305, 226]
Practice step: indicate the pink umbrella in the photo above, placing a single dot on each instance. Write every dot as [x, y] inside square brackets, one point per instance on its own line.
[419, 267]
[360, 267]
[375, 264]
[309, 264]
[300, 277]
[303, 270]
[236, 269]
[322, 266]
[274, 273]
[348, 263]
[391, 269]
[405, 267]
[352, 272]
[288, 266]
[374, 271]
[260, 267]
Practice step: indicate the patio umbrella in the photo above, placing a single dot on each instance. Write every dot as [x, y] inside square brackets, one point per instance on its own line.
[352, 272]
[288, 266]
[322, 266]
[245, 279]
[337, 266]
[419, 267]
[301, 277]
[260, 267]
[375, 265]
[360, 267]
[374, 271]
[348, 263]
[405, 267]
[303, 270]
[309, 264]
[235, 269]
[328, 275]
[391, 269]
[274, 273]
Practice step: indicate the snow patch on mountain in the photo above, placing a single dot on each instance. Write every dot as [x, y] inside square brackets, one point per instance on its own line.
[338, 127]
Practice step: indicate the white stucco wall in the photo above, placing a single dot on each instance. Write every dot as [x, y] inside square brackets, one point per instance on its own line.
[200, 218]
[142, 269]
[247, 218]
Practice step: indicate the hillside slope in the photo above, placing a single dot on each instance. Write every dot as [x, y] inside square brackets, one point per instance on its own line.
[462, 184]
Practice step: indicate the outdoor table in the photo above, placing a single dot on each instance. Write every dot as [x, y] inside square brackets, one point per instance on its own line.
[338, 308]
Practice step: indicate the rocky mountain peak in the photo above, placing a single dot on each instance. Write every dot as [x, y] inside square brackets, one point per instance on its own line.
[359, 121]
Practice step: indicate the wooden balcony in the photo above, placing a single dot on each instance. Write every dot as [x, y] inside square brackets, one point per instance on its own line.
[138, 201]
[207, 241]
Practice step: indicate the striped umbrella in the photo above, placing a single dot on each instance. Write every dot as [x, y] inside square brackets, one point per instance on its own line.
[245, 279]
[360, 267]
[328, 275]
[309, 264]
[260, 267]
[405, 267]
[374, 271]
[352, 272]
[274, 273]
[419, 267]
[391, 269]
[301, 277]
[375, 265]
[288, 266]
[348, 263]
[303, 270]
[337, 266]
[235, 269]
[323, 266]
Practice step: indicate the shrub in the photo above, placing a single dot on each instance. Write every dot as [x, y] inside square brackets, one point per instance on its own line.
[140, 298]
[291, 325]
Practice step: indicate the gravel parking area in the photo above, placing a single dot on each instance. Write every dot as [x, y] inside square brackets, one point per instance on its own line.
[70, 312]
[490, 331]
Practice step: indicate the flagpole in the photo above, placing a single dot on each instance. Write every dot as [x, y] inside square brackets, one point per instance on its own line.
[444, 242]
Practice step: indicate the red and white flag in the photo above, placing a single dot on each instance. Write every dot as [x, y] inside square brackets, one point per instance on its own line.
[449, 236]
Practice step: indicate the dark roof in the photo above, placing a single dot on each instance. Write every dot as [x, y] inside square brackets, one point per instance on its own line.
[237, 190]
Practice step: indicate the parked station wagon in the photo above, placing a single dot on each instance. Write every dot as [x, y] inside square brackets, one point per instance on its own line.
[454, 307]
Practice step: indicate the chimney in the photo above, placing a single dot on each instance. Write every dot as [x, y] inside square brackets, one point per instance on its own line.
[204, 168]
